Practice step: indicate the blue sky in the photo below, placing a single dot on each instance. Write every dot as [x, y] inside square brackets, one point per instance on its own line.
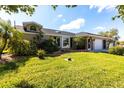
[82, 18]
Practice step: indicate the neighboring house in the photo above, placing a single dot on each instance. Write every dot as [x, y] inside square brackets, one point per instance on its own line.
[93, 42]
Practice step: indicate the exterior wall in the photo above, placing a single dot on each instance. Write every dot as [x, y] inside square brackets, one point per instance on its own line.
[98, 44]
[29, 36]
[45, 37]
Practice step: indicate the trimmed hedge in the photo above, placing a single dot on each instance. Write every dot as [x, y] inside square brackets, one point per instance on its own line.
[117, 50]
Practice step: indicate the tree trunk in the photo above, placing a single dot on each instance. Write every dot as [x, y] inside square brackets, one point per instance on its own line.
[1, 51]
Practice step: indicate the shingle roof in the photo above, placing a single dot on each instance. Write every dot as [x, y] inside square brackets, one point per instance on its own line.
[90, 34]
[53, 32]
[66, 33]
[50, 32]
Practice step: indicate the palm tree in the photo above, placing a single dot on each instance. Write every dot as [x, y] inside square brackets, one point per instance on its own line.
[5, 34]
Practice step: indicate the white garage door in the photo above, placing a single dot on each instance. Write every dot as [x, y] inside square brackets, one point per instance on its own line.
[98, 44]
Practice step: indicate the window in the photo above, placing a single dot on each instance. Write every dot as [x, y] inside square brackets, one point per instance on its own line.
[33, 28]
[66, 42]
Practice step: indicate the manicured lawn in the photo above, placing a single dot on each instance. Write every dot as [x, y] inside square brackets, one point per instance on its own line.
[86, 70]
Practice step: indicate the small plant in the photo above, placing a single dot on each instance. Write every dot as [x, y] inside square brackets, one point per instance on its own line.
[41, 54]
[117, 50]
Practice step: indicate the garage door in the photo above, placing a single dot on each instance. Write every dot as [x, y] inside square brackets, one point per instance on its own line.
[98, 44]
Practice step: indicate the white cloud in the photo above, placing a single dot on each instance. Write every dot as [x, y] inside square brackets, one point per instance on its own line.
[102, 7]
[60, 16]
[64, 20]
[75, 24]
[100, 28]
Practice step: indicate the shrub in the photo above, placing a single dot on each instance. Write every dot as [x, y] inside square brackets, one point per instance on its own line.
[41, 54]
[33, 48]
[49, 45]
[20, 47]
[79, 43]
[116, 50]
[23, 48]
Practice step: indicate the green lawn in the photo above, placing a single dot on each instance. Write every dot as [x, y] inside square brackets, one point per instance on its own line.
[86, 70]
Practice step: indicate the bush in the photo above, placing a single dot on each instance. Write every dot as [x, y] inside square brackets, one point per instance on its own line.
[41, 54]
[79, 42]
[20, 47]
[49, 46]
[23, 48]
[33, 48]
[116, 50]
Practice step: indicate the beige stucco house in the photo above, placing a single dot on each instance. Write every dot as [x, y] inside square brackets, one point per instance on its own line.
[65, 39]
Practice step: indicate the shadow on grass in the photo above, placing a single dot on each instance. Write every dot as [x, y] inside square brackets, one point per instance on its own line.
[59, 53]
[24, 84]
[52, 55]
[13, 65]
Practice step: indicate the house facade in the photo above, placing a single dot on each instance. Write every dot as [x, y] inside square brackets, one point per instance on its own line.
[93, 42]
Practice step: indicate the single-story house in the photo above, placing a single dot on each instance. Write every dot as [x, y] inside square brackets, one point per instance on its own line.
[65, 39]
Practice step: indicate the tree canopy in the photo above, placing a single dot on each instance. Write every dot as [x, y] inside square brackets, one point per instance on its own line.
[120, 9]
[8, 34]
[28, 9]
[112, 33]
[68, 6]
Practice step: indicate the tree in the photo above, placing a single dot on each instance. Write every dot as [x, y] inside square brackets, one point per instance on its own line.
[38, 39]
[29, 10]
[112, 33]
[120, 9]
[6, 33]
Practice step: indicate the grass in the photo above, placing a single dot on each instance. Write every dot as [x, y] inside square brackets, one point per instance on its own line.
[86, 70]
